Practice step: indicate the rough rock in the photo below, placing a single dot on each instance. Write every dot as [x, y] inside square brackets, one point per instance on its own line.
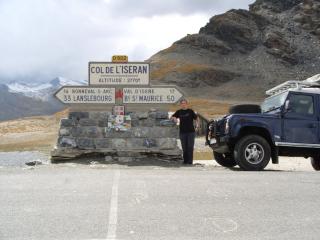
[272, 42]
[166, 143]
[103, 123]
[82, 135]
[125, 159]
[108, 159]
[67, 123]
[149, 143]
[103, 143]
[85, 143]
[119, 143]
[33, 163]
[88, 122]
[143, 115]
[66, 142]
[147, 122]
[65, 132]
[112, 133]
[78, 115]
[77, 132]
[99, 115]
[161, 115]
[239, 29]
[168, 123]
[274, 5]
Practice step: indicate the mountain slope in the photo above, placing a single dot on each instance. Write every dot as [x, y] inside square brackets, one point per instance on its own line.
[22, 100]
[42, 91]
[15, 105]
[240, 54]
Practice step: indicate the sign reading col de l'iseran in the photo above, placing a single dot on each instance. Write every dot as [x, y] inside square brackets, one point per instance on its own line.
[103, 73]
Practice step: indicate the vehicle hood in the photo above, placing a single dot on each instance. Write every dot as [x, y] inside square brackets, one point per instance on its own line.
[255, 115]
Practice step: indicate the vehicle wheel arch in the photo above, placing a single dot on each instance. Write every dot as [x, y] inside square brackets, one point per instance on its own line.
[256, 130]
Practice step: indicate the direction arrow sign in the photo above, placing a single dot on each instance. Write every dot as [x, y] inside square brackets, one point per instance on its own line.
[106, 73]
[86, 95]
[153, 95]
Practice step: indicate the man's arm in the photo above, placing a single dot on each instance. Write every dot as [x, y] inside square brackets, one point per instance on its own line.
[174, 119]
[175, 116]
[197, 123]
[197, 120]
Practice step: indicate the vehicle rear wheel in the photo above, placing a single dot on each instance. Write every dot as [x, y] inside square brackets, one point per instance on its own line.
[252, 153]
[225, 160]
[245, 108]
[315, 162]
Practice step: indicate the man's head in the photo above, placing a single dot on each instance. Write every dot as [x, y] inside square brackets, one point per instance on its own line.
[184, 104]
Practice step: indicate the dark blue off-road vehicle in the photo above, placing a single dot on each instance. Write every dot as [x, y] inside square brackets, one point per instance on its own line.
[286, 124]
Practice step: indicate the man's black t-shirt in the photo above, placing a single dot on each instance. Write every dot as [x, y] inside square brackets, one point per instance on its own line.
[186, 120]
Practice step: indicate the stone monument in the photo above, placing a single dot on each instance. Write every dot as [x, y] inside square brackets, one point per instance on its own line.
[119, 115]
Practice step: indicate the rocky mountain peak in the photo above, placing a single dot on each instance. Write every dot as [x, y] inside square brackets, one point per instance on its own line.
[272, 42]
[304, 14]
[238, 28]
[274, 5]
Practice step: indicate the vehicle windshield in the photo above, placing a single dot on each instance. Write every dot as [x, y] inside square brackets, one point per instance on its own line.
[274, 102]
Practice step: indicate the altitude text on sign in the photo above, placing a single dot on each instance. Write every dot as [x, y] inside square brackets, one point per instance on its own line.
[85, 95]
[118, 73]
[151, 95]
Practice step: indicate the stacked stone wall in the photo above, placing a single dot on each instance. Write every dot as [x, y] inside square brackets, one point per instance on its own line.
[85, 133]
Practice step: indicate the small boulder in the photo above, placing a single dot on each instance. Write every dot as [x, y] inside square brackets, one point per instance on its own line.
[33, 163]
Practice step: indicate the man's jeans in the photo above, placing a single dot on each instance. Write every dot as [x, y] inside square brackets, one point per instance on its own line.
[187, 143]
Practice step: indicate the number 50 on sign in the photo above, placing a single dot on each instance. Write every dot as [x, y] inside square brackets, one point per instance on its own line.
[151, 95]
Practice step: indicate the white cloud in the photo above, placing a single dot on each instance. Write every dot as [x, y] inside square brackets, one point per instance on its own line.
[47, 38]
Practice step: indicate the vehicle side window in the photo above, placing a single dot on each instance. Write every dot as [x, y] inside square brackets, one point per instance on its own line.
[302, 104]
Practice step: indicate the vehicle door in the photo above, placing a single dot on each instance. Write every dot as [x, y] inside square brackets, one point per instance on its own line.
[300, 121]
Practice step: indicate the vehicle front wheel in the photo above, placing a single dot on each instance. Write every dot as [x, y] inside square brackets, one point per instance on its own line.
[225, 160]
[252, 153]
[315, 162]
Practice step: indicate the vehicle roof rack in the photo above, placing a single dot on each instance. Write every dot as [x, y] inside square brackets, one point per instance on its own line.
[291, 85]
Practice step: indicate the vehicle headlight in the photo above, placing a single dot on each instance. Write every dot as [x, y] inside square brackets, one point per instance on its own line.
[213, 141]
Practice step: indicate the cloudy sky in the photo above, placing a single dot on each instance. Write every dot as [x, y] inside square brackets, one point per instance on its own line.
[42, 39]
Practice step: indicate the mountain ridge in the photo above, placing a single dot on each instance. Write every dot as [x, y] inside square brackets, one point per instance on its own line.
[240, 54]
[30, 99]
[42, 91]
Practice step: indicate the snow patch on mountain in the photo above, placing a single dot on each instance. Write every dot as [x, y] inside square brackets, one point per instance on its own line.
[42, 91]
[61, 81]
[23, 88]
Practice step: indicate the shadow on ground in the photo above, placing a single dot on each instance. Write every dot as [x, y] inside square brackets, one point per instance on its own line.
[132, 163]
[96, 161]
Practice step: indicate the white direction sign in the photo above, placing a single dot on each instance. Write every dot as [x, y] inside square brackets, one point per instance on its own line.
[153, 95]
[106, 73]
[86, 95]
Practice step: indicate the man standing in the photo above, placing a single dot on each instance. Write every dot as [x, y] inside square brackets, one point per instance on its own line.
[187, 130]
